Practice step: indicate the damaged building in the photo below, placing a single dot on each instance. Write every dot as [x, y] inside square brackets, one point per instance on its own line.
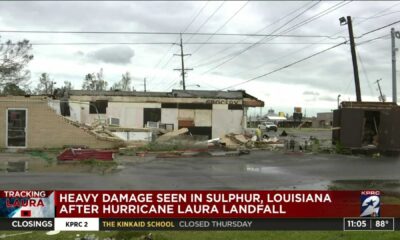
[205, 113]
[31, 123]
[367, 125]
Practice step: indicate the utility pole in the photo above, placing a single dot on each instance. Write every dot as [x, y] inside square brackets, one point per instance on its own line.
[347, 21]
[144, 84]
[381, 97]
[182, 69]
[394, 34]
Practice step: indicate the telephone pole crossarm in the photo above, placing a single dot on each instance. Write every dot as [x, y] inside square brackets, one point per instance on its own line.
[183, 69]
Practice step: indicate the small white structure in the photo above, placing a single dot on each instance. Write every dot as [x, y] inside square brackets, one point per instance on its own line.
[207, 113]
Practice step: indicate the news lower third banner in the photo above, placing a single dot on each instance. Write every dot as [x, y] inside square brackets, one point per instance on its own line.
[198, 210]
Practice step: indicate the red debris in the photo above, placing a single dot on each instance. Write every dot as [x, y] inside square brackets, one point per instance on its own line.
[71, 154]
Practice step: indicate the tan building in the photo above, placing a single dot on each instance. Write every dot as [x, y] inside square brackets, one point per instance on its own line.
[323, 120]
[31, 123]
[38, 121]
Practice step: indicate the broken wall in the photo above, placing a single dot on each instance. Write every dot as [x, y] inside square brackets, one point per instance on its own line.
[45, 128]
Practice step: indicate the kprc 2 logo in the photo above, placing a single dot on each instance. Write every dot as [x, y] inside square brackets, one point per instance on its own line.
[370, 204]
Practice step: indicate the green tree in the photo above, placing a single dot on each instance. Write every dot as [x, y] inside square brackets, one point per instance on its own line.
[67, 85]
[46, 85]
[124, 84]
[94, 82]
[13, 60]
[13, 89]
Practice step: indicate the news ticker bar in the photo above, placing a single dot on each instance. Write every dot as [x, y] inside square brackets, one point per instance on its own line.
[110, 224]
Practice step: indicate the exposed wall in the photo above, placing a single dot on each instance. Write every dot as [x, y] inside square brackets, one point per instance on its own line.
[226, 121]
[45, 128]
[170, 116]
[129, 110]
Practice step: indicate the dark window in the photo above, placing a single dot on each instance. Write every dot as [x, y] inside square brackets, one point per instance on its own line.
[187, 105]
[100, 105]
[194, 106]
[201, 131]
[169, 105]
[235, 107]
[151, 115]
[64, 109]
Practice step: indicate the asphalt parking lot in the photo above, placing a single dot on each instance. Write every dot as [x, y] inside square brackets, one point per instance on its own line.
[258, 170]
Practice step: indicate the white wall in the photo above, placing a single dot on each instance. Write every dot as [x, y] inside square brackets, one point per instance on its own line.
[202, 118]
[75, 112]
[134, 136]
[225, 121]
[55, 105]
[170, 115]
[186, 114]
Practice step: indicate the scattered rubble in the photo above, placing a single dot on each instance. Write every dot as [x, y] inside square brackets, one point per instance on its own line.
[167, 136]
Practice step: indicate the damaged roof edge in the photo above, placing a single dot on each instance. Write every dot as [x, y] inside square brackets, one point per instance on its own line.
[236, 94]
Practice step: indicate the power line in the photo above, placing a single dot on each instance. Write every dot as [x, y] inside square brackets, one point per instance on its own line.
[332, 8]
[313, 18]
[222, 26]
[377, 29]
[286, 66]
[195, 17]
[198, 29]
[364, 72]
[206, 21]
[373, 39]
[176, 41]
[168, 33]
[257, 32]
[301, 60]
[251, 46]
[167, 43]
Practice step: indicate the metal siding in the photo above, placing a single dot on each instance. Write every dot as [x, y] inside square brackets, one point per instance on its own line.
[336, 123]
[351, 127]
[389, 132]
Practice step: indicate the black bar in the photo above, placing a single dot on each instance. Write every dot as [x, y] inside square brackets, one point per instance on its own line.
[356, 224]
[381, 224]
[42, 224]
[235, 107]
[397, 224]
[327, 224]
[371, 224]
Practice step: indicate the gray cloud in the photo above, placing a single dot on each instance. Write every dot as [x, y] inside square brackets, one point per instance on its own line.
[331, 71]
[327, 98]
[116, 54]
[310, 93]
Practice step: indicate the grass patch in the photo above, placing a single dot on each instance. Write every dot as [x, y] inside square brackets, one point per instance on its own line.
[364, 184]
[100, 166]
[161, 147]
[43, 155]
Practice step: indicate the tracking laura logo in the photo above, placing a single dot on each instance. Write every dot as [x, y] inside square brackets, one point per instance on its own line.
[22, 205]
[370, 204]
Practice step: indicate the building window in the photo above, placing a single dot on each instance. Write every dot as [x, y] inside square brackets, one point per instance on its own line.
[100, 105]
[151, 115]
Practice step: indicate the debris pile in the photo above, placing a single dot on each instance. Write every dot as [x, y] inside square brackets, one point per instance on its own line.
[169, 135]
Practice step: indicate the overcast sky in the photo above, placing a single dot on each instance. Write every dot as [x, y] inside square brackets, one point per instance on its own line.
[313, 84]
